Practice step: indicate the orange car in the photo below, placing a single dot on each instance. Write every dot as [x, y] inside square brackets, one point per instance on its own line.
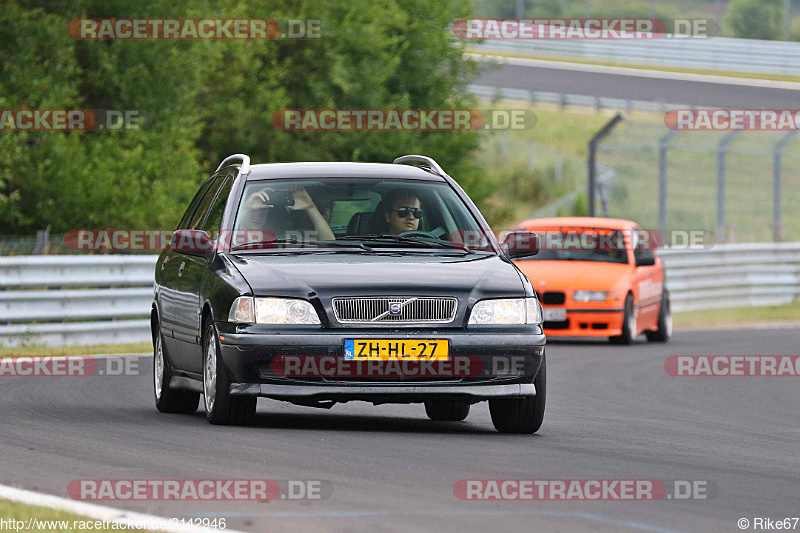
[598, 277]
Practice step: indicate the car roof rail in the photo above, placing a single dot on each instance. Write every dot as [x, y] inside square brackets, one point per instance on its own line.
[244, 167]
[434, 166]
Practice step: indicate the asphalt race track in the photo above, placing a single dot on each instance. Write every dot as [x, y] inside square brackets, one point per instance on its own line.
[612, 413]
[635, 84]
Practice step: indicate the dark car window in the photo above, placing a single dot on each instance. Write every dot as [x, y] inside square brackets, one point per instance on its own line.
[352, 208]
[205, 204]
[214, 219]
[581, 244]
[187, 216]
[643, 256]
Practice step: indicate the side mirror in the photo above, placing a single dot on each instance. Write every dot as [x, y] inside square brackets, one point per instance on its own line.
[646, 260]
[519, 244]
[192, 242]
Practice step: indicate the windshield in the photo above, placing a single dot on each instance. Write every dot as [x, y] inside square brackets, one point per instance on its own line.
[590, 244]
[365, 213]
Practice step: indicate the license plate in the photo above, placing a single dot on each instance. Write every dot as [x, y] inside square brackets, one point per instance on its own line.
[554, 315]
[405, 349]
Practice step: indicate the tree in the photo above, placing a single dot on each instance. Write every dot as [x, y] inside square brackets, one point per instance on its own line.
[755, 19]
[207, 99]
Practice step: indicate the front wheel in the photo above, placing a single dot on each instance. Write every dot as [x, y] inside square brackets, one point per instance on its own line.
[524, 415]
[664, 331]
[169, 400]
[447, 411]
[221, 407]
[628, 324]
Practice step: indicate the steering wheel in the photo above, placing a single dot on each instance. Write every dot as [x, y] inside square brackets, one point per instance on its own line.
[418, 233]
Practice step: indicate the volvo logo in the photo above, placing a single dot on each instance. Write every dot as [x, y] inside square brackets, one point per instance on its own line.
[395, 308]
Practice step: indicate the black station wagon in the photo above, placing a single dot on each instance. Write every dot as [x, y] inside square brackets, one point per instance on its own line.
[321, 283]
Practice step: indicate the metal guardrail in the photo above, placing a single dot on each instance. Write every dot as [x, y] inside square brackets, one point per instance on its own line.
[565, 99]
[75, 300]
[733, 275]
[68, 300]
[718, 53]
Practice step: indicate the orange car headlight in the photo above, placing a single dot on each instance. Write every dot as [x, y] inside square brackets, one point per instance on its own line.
[593, 296]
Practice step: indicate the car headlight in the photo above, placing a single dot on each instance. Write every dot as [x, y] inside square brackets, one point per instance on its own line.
[249, 310]
[592, 296]
[506, 311]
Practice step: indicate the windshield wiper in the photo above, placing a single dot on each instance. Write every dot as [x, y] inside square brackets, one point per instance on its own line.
[294, 242]
[386, 237]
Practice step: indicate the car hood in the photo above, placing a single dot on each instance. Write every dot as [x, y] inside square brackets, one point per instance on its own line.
[562, 275]
[327, 276]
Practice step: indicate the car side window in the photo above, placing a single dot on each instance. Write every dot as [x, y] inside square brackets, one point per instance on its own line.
[187, 216]
[214, 219]
[642, 252]
[205, 204]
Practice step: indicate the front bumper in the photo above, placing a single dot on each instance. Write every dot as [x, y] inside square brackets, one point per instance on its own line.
[587, 323]
[383, 393]
[249, 353]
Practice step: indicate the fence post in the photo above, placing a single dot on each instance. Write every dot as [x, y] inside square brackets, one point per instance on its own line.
[722, 150]
[592, 158]
[777, 168]
[663, 146]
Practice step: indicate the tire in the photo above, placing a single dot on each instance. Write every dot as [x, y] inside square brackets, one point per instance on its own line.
[221, 407]
[169, 400]
[664, 331]
[628, 324]
[447, 411]
[524, 415]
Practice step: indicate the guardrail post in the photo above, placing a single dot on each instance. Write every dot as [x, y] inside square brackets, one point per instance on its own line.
[592, 159]
[777, 167]
[722, 150]
[663, 147]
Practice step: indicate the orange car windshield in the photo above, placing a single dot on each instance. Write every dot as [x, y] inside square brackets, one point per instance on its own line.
[600, 245]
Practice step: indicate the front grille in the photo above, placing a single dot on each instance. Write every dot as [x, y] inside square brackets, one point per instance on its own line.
[553, 298]
[560, 324]
[382, 310]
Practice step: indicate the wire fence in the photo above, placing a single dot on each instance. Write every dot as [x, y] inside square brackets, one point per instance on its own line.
[741, 186]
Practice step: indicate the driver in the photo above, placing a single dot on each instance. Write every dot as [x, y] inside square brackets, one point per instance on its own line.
[403, 211]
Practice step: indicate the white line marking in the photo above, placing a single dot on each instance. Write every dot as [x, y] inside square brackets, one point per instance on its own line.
[97, 512]
[641, 73]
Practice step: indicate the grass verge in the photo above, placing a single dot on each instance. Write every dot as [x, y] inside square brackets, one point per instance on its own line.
[61, 521]
[746, 316]
[31, 351]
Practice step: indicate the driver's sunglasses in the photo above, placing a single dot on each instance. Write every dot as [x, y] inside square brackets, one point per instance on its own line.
[404, 211]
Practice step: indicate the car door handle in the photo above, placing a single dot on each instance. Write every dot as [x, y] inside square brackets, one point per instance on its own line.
[180, 269]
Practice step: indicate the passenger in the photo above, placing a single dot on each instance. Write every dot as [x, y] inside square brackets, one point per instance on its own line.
[405, 212]
[260, 213]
